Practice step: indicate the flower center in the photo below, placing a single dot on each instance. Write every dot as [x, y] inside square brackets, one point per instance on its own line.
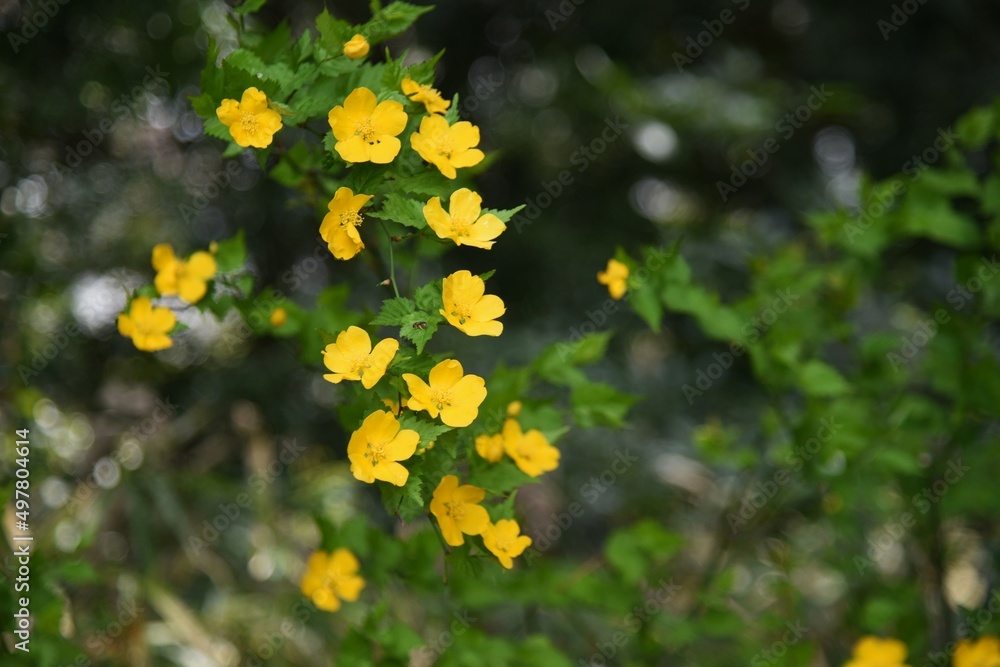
[503, 544]
[248, 122]
[455, 510]
[350, 218]
[441, 398]
[359, 364]
[461, 227]
[366, 130]
[376, 452]
[445, 148]
[463, 311]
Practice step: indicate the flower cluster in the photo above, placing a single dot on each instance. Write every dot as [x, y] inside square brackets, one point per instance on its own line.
[877, 652]
[531, 451]
[149, 326]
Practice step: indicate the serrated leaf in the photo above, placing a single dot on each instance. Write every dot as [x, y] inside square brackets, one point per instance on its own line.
[403, 210]
[504, 214]
[428, 297]
[425, 182]
[419, 327]
[597, 404]
[426, 429]
[392, 20]
[500, 478]
[333, 33]
[405, 501]
[394, 312]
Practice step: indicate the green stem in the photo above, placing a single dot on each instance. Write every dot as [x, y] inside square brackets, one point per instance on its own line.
[392, 261]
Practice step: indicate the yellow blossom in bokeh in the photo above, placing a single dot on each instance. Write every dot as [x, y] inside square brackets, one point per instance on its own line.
[353, 358]
[366, 130]
[468, 308]
[251, 121]
[357, 47]
[615, 277]
[877, 652]
[458, 511]
[426, 95]
[530, 451]
[331, 578]
[377, 447]
[448, 393]
[147, 326]
[447, 147]
[505, 541]
[340, 226]
[187, 279]
[462, 223]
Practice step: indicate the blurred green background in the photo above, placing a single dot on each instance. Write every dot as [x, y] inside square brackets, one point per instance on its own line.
[132, 453]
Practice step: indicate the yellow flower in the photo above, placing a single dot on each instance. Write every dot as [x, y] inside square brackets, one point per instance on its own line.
[357, 47]
[982, 652]
[531, 451]
[877, 652]
[186, 279]
[332, 577]
[376, 448]
[463, 224]
[514, 408]
[366, 131]
[505, 541]
[278, 317]
[352, 357]
[147, 326]
[340, 226]
[454, 396]
[458, 511]
[467, 308]
[426, 95]
[490, 447]
[447, 147]
[250, 121]
[615, 277]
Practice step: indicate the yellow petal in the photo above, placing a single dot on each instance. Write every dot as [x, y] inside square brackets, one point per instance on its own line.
[228, 112]
[163, 256]
[354, 340]
[446, 374]
[465, 205]
[361, 103]
[489, 307]
[201, 265]
[191, 289]
[437, 219]
[254, 101]
[389, 118]
[353, 149]
[385, 150]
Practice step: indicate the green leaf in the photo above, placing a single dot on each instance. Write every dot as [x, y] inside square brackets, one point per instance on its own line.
[392, 20]
[403, 210]
[406, 501]
[597, 404]
[333, 33]
[504, 214]
[500, 478]
[426, 429]
[419, 327]
[646, 304]
[429, 297]
[430, 183]
[249, 7]
[231, 254]
[634, 550]
[819, 379]
[395, 312]
[976, 127]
